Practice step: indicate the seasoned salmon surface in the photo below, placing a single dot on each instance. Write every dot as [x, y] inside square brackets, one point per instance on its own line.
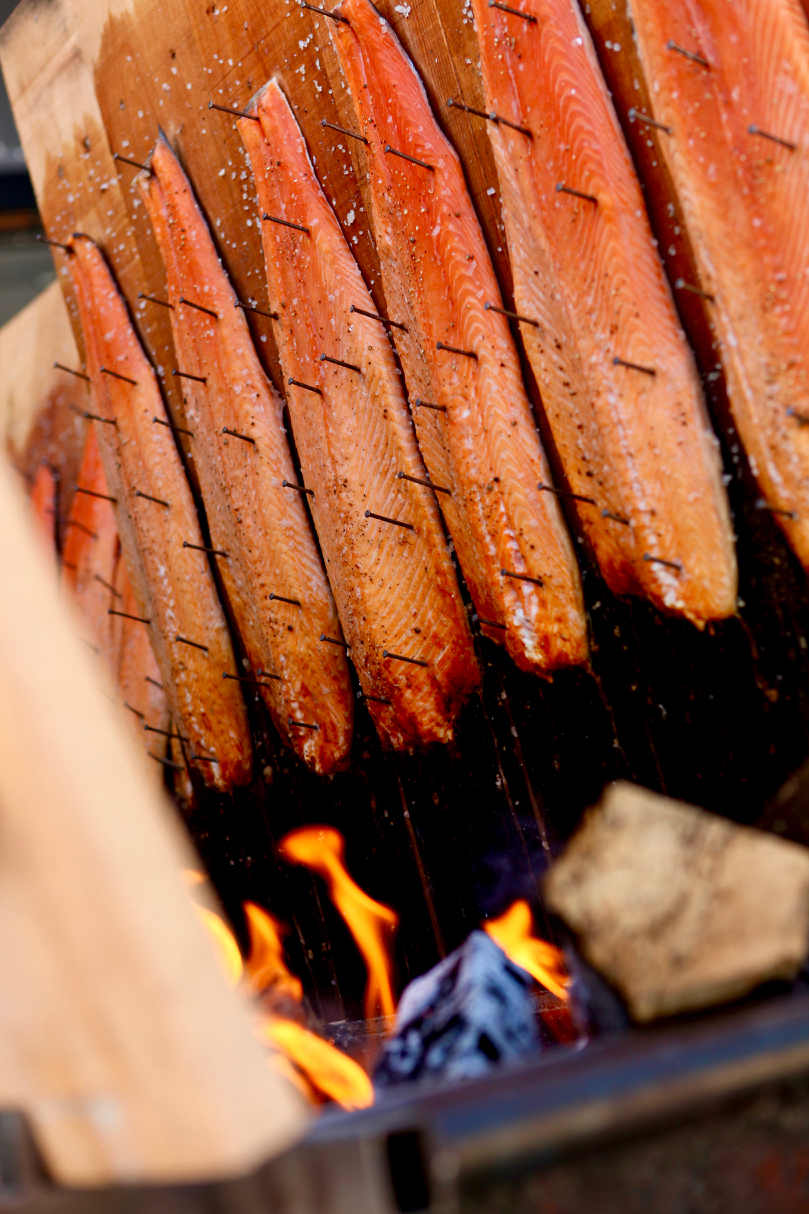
[159, 530]
[459, 356]
[43, 503]
[256, 513]
[138, 675]
[90, 557]
[618, 381]
[737, 105]
[375, 515]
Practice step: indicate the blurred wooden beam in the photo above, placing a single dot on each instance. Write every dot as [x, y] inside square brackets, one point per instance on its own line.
[118, 1036]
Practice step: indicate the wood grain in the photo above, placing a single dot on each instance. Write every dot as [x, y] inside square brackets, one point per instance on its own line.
[118, 1035]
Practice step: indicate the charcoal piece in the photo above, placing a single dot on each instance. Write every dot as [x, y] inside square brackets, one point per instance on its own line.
[470, 1012]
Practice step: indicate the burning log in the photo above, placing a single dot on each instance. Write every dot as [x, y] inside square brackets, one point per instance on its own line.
[678, 908]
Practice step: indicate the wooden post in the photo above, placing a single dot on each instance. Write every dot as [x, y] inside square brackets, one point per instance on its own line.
[118, 1036]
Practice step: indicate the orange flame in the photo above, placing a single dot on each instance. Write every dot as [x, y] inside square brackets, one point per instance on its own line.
[326, 1068]
[371, 924]
[228, 955]
[266, 966]
[514, 932]
[314, 1065]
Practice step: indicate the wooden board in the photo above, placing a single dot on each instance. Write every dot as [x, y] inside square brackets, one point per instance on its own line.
[118, 1036]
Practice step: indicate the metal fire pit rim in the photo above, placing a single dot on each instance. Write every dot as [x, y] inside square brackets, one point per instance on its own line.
[567, 1100]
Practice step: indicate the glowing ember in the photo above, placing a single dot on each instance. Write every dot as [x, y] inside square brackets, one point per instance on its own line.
[333, 1073]
[266, 966]
[227, 952]
[371, 924]
[514, 932]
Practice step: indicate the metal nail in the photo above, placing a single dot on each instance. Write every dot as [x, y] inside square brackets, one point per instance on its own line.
[165, 732]
[658, 560]
[577, 497]
[383, 320]
[682, 285]
[334, 641]
[412, 159]
[321, 12]
[303, 724]
[252, 308]
[70, 371]
[205, 758]
[235, 434]
[299, 384]
[56, 244]
[72, 522]
[621, 362]
[212, 105]
[439, 345]
[343, 131]
[418, 403]
[92, 493]
[98, 578]
[522, 577]
[418, 480]
[785, 143]
[241, 678]
[280, 598]
[200, 379]
[185, 641]
[338, 362]
[139, 619]
[800, 418]
[561, 188]
[117, 375]
[515, 12]
[171, 426]
[153, 299]
[166, 762]
[762, 505]
[661, 126]
[95, 417]
[616, 518]
[384, 519]
[495, 118]
[490, 307]
[488, 623]
[285, 484]
[374, 699]
[134, 710]
[398, 657]
[154, 682]
[286, 223]
[135, 163]
[202, 548]
[672, 46]
[158, 501]
[198, 307]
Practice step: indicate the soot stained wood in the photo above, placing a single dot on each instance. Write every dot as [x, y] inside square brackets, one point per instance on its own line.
[718, 718]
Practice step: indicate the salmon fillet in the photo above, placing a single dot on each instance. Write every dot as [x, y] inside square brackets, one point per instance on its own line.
[156, 518]
[481, 440]
[90, 557]
[619, 384]
[737, 105]
[43, 503]
[245, 471]
[379, 526]
[138, 675]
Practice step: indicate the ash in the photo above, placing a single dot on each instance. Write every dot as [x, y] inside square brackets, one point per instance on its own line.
[470, 1012]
